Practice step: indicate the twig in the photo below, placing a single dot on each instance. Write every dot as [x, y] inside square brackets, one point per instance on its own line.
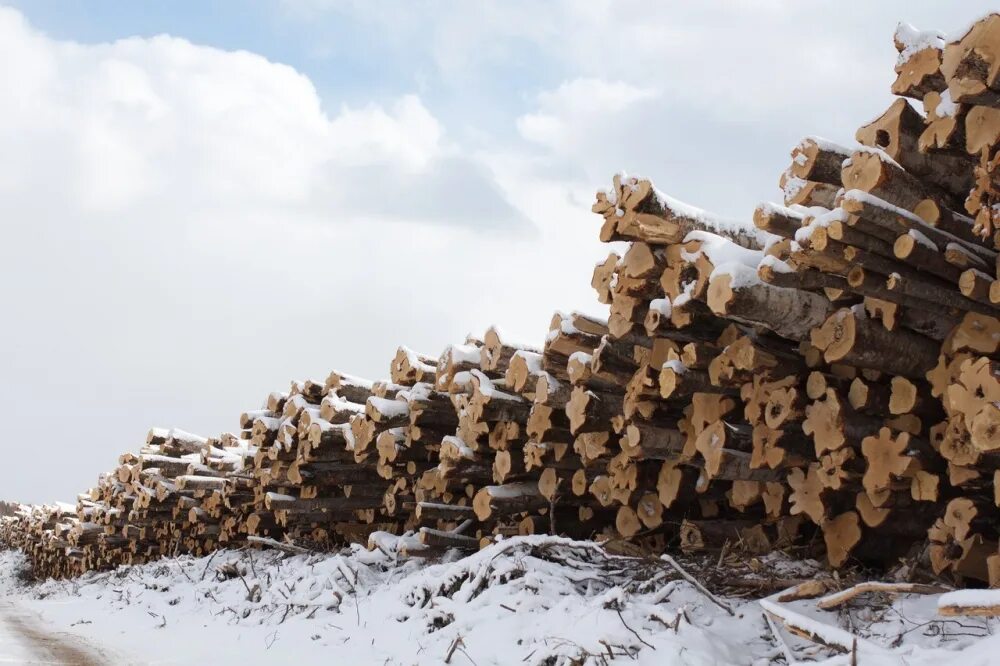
[694, 581]
[451, 649]
[253, 594]
[207, 564]
[181, 567]
[462, 650]
[840, 598]
[785, 649]
[353, 591]
[253, 569]
[722, 554]
[634, 633]
[278, 545]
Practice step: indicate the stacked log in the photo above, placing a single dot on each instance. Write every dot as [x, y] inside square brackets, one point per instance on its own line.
[169, 499]
[825, 372]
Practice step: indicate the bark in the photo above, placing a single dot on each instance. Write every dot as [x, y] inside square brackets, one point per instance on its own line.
[874, 172]
[787, 312]
[778, 220]
[819, 161]
[898, 131]
[927, 291]
[849, 338]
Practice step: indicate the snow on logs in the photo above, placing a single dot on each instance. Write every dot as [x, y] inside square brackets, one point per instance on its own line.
[827, 367]
[641, 213]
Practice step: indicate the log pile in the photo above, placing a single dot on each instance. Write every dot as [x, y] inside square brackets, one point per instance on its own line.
[828, 374]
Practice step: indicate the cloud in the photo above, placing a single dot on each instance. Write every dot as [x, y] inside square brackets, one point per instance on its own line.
[707, 96]
[121, 125]
[186, 229]
[576, 107]
[409, 136]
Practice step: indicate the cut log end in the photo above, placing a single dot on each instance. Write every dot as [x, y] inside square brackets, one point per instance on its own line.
[841, 535]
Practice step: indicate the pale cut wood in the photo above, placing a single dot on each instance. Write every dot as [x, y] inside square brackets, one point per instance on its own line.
[971, 65]
[918, 72]
[788, 312]
[849, 338]
[898, 131]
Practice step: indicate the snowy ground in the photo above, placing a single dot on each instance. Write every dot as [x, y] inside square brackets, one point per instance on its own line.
[26, 639]
[537, 601]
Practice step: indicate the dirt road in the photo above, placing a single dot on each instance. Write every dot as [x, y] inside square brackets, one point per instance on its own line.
[24, 639]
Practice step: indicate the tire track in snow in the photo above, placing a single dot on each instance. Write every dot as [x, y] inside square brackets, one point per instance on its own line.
[25, 640]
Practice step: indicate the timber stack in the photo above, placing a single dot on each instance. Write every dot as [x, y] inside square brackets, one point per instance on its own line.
[826, 376]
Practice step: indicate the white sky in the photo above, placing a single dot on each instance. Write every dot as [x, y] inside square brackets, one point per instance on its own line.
[186, 228]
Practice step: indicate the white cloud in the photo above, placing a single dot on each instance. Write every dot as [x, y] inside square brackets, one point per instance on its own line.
[409, 136]
[135, 120]
[576, 107]
[716, 77]
[186, 229]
